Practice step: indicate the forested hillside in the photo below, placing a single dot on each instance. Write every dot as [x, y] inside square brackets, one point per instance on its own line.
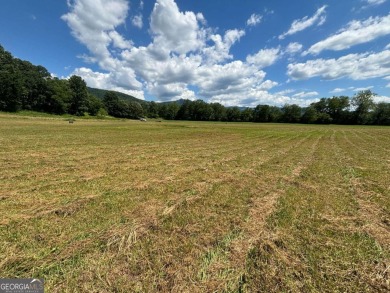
[24, 86]
[99, 93]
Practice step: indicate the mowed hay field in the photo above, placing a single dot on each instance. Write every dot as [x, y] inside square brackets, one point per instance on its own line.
[127, 206]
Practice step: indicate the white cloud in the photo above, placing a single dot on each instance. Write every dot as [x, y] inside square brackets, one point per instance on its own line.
[264, 57]
[366, 4]
[285, 92]
[220, 51]
[375, 2]
[379, 99]
[97, 14]
[256, 97]
[298, 25]
[293, 48]
[94, 23]
[337, 90]
[359, 89]
[357, 32]
[171, 92]
[200, 18]
[232, 77]
[174, 30]
[87, 59]
[152, 67]
[354, 66]
[254, 20]
[137, 21]
[302, 95]
[105, 81]
[183, 55]
[118, 41]
[267, 85]
[354, 89]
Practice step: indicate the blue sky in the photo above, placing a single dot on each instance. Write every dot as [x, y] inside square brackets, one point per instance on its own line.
[234, 52]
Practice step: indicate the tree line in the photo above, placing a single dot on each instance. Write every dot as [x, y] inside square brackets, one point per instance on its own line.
[361, 109]
[24, 86]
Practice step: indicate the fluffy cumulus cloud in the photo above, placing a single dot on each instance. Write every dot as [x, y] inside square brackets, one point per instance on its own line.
[356, 32]
[174, 30]
[94, 23]
[184, 58]
[231, 78]
[298, 25]
[267, 85]
[264, 58]
[254, 20]
[220, 50]
[354, 66]
[162, 75]
[118, 41]
[106, 81]
[293, 48]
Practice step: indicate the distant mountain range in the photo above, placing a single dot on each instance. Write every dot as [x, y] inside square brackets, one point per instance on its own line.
[99, 93]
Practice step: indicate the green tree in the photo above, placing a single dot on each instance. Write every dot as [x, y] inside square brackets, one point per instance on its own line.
[266, 113]
[381, 114]
[324, 118]
[59, 96]
[11, 89]
[364, 104]
[184, 111]
[122, 110]
[35, 85]
[135, 110]
[219, 112]
[11, 83]
[337, 107]
[291, 113]
[115, 107]
[246, 115]
[153, 110]
[110, 101]
[310, 115]
[94, 105]
[321, 106]
[233, 114]
[171, 110]
[200, 111]
[79, 100]
[102, 113]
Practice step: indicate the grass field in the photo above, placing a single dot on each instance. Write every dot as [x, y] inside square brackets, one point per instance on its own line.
[127, 206]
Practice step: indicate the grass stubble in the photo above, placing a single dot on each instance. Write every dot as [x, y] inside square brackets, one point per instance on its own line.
[125, 206]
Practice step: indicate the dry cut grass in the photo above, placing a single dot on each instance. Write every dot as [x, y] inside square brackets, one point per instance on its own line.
[125, 206]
